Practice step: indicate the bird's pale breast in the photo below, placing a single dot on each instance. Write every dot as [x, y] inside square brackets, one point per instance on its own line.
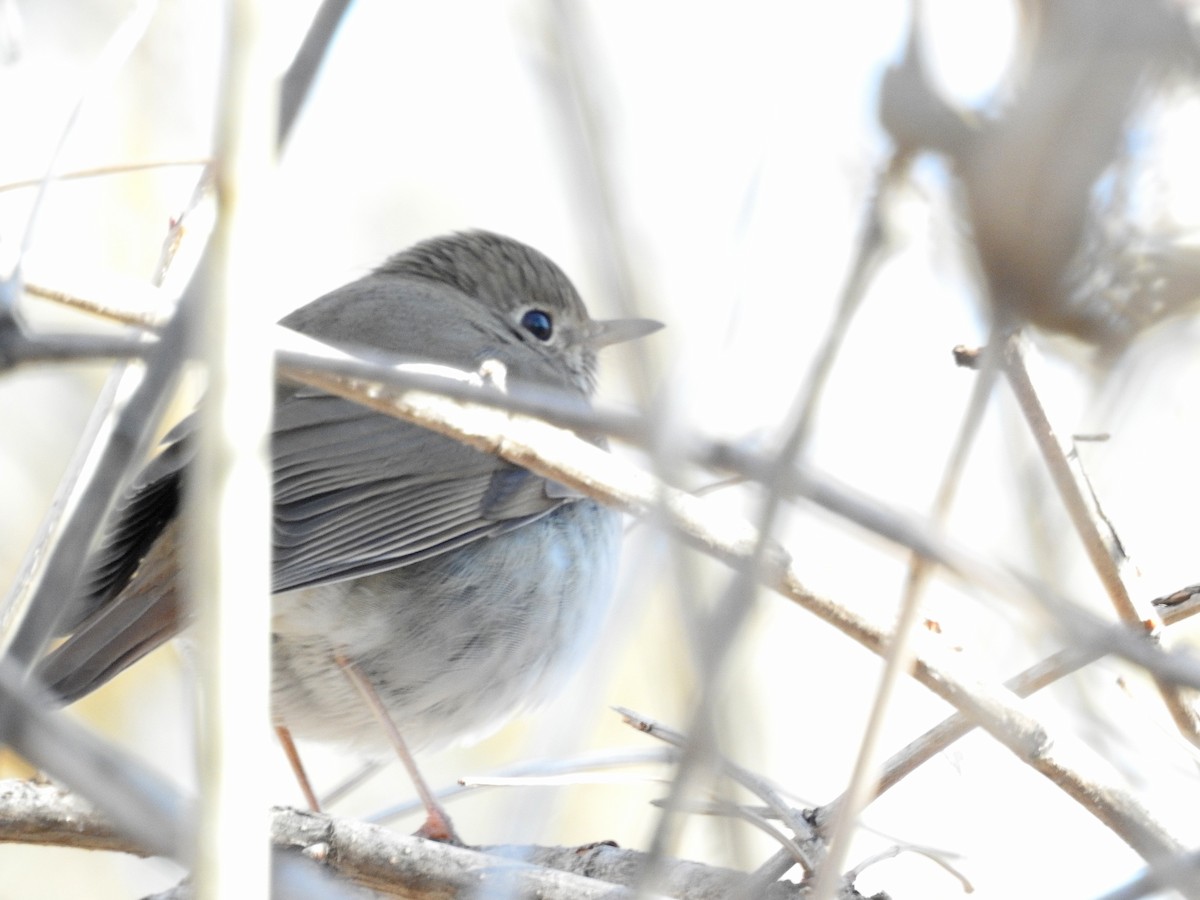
[453, 644]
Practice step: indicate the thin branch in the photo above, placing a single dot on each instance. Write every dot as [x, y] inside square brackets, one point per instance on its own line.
[1099, 540]
[936, 859]
[899, 654]
[102, 310]
[937, 739]
[298, 80]
[112, 58]
[757, 818]
[106, 171]
[808, 856]
[537, 772]
[873, 248]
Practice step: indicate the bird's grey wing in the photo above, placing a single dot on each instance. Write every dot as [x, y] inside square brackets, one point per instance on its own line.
[138, 518]
[128, 603]
[358, 492]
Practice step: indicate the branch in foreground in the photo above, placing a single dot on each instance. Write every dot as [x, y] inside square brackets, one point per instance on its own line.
[396, 864]
[809, 854]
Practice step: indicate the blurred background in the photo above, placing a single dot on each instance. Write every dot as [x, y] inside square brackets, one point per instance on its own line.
[736, 151]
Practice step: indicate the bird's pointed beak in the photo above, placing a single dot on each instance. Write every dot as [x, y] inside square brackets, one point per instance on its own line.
[617, 331]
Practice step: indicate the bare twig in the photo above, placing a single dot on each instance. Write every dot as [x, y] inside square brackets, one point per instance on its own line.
[758, 818]
[106, 171]
[537, 772]
[116, 51]
[807, 856]
[937, 739]
[1099, 540]
[85, 304]
[1063, 760]
[936, 858]
[397, 865]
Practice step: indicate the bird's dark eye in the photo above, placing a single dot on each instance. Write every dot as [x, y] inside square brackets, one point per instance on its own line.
[538, 323]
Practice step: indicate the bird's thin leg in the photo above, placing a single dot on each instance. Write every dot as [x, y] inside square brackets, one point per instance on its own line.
[437, 825]
[293, 758]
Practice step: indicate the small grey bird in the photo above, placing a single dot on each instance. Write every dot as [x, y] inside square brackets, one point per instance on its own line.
[460, 586]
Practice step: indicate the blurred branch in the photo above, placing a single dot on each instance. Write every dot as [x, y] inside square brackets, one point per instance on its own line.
[872, 249]
[142, 808]
[1177, 872]
[298, 80]
[19, 348]
[576, 89]
[937, 739]
[1030, 185]
[126, 443]
[227, 505]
